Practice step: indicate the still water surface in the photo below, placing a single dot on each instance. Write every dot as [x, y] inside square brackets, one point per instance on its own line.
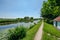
[5, 28]
[18, 24]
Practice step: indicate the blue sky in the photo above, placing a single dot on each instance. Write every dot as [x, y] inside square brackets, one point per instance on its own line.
[20, 8]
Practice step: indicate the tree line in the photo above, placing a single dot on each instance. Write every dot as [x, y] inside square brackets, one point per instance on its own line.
[9, 21]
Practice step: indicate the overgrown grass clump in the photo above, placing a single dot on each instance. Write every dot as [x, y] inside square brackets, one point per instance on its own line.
[17, 33]
[31, 33]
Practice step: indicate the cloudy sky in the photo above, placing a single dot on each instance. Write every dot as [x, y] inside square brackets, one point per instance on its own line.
[20, 8]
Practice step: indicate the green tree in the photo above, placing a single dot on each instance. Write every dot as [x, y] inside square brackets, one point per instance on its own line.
[26, 19]
[18, 19]
[50, 9]
[31, 18]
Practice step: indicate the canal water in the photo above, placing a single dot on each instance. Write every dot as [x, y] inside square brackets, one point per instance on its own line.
[5, 28]
[2, 27]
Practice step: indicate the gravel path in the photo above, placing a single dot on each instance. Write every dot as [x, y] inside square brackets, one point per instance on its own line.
[39, 33]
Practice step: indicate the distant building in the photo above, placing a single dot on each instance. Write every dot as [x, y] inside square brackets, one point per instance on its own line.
[56, 22]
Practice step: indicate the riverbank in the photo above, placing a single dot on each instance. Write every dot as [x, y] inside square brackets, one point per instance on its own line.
[31, 33]
[7, 21]
[10, 21]
[32, 29]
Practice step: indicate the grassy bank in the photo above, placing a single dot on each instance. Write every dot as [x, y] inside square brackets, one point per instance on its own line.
[46, 36]
[31, 33]
[50, 32]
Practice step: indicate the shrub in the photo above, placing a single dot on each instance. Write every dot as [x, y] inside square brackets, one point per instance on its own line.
[17, 33]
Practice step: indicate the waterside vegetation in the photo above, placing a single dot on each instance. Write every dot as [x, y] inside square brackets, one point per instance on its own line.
[10, 21]
[31, 33]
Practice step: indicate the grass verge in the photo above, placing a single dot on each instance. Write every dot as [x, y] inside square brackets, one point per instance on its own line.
[50, 32]
[46, 36]
[31, 33]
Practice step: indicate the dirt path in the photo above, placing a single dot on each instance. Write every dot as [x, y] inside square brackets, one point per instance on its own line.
[39, 33]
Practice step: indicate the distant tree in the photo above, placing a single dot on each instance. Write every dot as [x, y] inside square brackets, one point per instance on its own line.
[18, 19]
[26, 18]
[31, 18]
[21, 19]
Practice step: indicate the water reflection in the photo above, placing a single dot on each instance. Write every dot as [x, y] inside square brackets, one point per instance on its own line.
[18, 24]
[5, 28]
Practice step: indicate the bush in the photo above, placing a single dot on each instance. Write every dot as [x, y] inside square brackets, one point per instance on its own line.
[17, 33]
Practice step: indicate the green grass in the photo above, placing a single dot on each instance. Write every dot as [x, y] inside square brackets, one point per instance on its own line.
[50, 32]
[31, 33]
[51, 29]
[48, 37]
